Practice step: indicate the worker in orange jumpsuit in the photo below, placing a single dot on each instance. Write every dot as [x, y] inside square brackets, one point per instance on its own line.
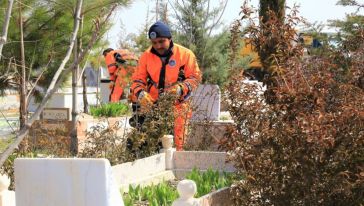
[167, 67]
[120, 66]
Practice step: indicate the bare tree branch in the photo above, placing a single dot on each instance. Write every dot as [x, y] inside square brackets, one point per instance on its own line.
[5, 27]
[55, 82]
[35, 84]
[218, 20]
[82, 71]
[52, 88]
[207, 14]
[178, 17]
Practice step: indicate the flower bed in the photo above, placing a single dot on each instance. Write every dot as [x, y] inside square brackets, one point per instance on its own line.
[165, 192]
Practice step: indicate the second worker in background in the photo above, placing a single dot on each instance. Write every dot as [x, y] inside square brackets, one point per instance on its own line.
[167, 67]
[120, 64]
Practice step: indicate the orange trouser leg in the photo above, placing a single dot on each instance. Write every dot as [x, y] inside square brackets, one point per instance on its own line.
[117, 90]
[182, 116]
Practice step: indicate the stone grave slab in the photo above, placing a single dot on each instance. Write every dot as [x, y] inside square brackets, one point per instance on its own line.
[56, 114]
[65, 182]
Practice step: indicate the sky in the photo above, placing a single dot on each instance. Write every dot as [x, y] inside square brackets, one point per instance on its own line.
[315, 11]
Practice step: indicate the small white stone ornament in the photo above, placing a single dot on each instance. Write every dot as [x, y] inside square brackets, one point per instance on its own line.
[167, 141]
[186, 190]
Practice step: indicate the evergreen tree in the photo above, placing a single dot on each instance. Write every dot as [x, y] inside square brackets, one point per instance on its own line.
[351, 26]
[196, 20]
[161, 11]
[47, 25]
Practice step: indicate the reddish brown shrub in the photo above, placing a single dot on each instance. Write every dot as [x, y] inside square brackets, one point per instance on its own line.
[307, 147]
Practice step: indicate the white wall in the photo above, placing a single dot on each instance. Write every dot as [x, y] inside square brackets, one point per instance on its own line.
[63, 99]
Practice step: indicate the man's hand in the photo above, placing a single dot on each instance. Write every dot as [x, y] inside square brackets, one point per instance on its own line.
[119, 58]
[175, 90]
[146, 101]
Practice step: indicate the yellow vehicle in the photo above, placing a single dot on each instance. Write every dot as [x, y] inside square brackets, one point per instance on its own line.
[306, 39]
[249, 50]
[254, 70]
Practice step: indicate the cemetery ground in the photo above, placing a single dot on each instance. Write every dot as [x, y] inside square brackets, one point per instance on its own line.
[50, 138]
[102, 136]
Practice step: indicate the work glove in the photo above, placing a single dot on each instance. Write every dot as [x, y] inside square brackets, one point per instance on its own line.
[118, 58]
[175, 90]
[145, 101]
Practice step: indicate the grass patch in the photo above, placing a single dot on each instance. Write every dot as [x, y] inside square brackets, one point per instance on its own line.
[156, 195]
[210, 180]
[110, 110]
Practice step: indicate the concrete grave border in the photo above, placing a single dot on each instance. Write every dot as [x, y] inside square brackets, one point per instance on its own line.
[171, 165]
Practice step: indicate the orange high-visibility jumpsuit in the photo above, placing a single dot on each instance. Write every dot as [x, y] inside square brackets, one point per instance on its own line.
[181, 61]
[120, 73]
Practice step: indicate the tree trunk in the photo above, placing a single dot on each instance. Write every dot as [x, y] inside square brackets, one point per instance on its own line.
[84, 85]
[98, 85]
[5, 26]
[74, 139]
[268, 50]
[85, 102]
[23, 78]
[277, 6]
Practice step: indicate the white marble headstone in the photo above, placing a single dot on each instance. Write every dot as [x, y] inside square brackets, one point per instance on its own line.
[65, 182]
[206, 102]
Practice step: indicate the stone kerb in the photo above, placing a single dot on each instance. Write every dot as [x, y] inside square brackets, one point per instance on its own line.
[150, 170]
[143, 171]
[206, 103]
[187, 189]
[220, 197]
[65, 182]
[171, 165]
[185, 161]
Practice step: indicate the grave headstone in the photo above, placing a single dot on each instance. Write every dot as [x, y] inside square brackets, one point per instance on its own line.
[65, 182]
[206, 103]
[56, 114]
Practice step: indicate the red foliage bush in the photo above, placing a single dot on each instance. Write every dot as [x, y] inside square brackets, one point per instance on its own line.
[306, 147]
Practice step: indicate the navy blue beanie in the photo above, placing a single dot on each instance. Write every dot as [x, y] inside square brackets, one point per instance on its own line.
[159, 29]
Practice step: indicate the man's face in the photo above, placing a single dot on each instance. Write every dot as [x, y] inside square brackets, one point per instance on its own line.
[161, 44]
